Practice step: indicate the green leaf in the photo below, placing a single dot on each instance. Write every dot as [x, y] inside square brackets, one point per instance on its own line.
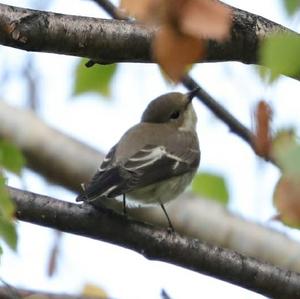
[7, 210]
[8, 233]
[280, 53]
[7, 207]
[11, 157]
[291, 6]
[286, 152]
[93, 79]
[211, 186]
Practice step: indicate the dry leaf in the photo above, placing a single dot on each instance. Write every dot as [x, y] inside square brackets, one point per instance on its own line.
[184, 25]
[262, 138]
[91, 290]
[175, 51]
[144, 10]
[206, 19]
[54, 254]
[287, 200]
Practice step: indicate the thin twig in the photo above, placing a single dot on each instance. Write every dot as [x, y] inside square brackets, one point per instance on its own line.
[10, 290]
[223, 114]
[164, 294]
[111, 9]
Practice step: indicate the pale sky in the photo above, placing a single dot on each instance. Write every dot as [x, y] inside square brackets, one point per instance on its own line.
[122, 273]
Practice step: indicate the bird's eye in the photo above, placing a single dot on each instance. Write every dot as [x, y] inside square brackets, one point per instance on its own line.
[175, 115]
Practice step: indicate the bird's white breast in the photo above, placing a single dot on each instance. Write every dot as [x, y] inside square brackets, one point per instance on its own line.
[190, 119]
[161, 192]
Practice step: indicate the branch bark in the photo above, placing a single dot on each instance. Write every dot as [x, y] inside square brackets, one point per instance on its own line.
[158, 244]
[108, 41]
[42, 146]
[54, 160]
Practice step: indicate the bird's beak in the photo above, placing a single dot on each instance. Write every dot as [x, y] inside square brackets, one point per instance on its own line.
[190, 95]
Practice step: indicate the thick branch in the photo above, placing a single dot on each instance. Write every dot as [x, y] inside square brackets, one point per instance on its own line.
[157, 244]
[43, 146]
[54, 160]
[108, 41]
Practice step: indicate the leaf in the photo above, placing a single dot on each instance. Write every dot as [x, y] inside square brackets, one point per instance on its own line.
[91, 290]
[8, 232]
[7, 207]
[262, 137]
[291, 6]
[149, 11]
[95, 79]
[211, 186]
[54, 254]
[175, 51]
[206, 19]
[286, 152]
[7, 210]
[286, 200]
[11, 157]
[280, 53]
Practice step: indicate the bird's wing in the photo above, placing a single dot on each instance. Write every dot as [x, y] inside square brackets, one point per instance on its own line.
[91, 188]
[149, 165]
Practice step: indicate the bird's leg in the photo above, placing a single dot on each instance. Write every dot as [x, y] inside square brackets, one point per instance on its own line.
[124, 204]
[169, 221]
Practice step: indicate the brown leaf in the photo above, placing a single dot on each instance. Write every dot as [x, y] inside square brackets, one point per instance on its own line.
[148, 11]
[175, 51]
[206, 19]
[287, 200]
[54, 254]
[262, 138]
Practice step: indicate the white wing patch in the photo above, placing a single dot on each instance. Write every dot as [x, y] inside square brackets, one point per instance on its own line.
[153, 155]
[104, 164]
[109, 190]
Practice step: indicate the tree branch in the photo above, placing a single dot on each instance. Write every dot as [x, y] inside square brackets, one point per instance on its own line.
[224, 115]
[54, 160]
[156, 244]
[42, 147]
[108, 41]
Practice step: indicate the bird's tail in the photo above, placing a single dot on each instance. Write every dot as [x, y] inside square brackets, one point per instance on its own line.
[82, 196]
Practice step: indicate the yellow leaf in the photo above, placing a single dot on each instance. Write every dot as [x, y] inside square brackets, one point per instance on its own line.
[94, 291]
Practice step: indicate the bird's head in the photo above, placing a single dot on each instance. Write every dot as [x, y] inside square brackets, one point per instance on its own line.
[173, 108]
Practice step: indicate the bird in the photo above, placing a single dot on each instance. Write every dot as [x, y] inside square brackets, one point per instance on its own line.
[155, 160]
